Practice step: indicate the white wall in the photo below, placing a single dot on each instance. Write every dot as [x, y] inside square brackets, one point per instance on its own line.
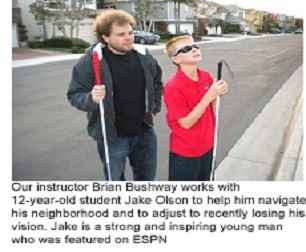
[28, 19]
[85, 31]
[15, 41]
[214, 30]
[183, 27]
[187, 28]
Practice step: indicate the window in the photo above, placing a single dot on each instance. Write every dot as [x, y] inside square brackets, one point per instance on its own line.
[111, 6]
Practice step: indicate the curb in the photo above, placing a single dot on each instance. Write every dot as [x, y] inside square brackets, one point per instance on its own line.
[43, 60]
[254, 156]
[291, 165]
[298, 176]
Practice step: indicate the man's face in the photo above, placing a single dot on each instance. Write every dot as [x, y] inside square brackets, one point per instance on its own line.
[121, 39]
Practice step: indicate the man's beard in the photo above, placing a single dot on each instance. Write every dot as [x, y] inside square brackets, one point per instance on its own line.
[119, 49]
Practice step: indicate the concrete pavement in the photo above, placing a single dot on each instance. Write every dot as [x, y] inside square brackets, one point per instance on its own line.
[270, 149]
[28, 57]
[292, 160]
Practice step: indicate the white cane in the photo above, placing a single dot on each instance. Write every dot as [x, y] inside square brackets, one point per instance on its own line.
[105, 139]
[96, 65]
[213, 167]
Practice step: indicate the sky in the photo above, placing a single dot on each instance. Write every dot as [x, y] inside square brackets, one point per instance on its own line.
[288, 7]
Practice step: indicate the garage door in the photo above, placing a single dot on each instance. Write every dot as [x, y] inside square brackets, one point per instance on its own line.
[86, 33]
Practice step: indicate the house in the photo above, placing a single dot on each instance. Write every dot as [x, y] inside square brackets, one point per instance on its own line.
[243, 23]
[256, 19]
[212, 16]
[21, 13]
[34, 30]
[164, 17]
[16, 19]
[203, 17]
[235, 10]
[286, 23]
[237, 15]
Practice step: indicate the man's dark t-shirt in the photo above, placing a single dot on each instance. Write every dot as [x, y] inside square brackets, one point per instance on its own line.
[128, 92]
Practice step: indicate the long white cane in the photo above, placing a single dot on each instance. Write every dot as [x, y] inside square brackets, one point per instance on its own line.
[105, 139]
[96, 65]
[213, 167]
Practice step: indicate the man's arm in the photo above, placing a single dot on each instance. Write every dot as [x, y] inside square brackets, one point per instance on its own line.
[158, 87]
[81, 84]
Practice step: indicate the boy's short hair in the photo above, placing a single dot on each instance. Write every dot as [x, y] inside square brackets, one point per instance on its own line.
[104, 21]
[171, 45]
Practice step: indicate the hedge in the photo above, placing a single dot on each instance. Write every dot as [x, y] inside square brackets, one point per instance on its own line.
[60, 42]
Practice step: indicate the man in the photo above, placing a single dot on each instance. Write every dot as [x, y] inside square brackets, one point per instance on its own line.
[131, 91]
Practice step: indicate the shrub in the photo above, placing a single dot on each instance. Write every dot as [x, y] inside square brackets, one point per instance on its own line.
[232, 28]
[76, 50]
[61, 42]
[163, 35]
[80, 43]
[198, 38]
[35, 44]
[58, 42]
[167, 35]
[22, 31]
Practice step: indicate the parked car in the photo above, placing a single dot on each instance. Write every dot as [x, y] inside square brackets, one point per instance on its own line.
[143, 37]
[298, 31]
[276, 31]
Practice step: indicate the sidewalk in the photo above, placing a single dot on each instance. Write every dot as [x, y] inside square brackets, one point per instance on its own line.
[291, 163]
[28, 57]
[270, 149]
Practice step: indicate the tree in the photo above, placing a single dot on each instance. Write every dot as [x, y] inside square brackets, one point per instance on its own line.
[41, 15]
[78, 13]
[143, 10]
[177, 11]
[60, 13]
[60, 18]
[269, 22]
[100, 4]
[22, 33]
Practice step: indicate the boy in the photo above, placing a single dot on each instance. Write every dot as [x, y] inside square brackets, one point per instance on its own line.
[189, 97]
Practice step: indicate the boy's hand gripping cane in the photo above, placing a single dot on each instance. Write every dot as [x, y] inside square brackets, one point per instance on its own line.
[213, 168]
[96, 65]
[214, 161]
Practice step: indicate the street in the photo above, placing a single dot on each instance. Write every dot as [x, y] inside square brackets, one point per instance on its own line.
[50, 142]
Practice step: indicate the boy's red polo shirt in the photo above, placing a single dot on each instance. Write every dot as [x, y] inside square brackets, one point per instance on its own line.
[181, 95]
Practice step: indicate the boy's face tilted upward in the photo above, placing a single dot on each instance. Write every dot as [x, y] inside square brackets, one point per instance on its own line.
[187, 53]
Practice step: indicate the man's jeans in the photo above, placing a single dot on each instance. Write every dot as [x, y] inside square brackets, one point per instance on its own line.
[190, 169]
[141, 151]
